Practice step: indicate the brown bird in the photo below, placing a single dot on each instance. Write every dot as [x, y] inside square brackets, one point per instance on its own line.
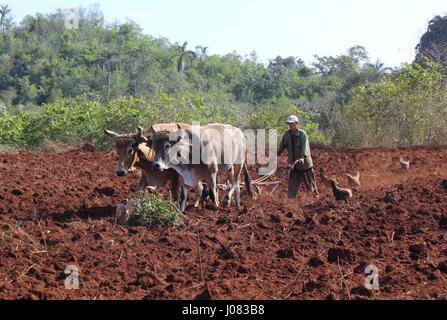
[404, 165]
[354, 181]
[341, 194]
[324, 179]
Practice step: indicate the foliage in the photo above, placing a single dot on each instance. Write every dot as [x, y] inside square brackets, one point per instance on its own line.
[433, 43]
[152, 211]
[11, 128]
[83, 119]
[41, 62]
[406, 109]
[68, 85]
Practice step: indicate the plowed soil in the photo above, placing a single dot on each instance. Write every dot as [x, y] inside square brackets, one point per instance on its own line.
[56, 210]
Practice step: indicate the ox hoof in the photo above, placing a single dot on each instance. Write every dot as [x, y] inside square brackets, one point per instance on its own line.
[151, 189]
[226, 202]
[256, 192]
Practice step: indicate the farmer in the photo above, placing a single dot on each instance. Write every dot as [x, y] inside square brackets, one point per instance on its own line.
[300, 161]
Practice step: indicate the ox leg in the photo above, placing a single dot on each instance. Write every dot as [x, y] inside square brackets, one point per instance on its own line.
[142, 185]
[145, 185]
[199, 195]
[229, 195]
[205, 193]
[235, 185]
[213, 188]
[183, 198]
[238, 171]
[176, 187]
[179, 187]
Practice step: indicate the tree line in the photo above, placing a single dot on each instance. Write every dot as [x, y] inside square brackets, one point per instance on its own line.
[42, 62]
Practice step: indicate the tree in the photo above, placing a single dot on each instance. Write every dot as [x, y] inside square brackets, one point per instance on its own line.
[42, 61]
[402, 110]
[202, 53]
[358, 54]
[375, 72]
[109, 62]
[181, 56]
[433, 42]
[4, 11]
[437, 52]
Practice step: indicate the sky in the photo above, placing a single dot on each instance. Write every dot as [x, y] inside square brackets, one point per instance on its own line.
[388, 29]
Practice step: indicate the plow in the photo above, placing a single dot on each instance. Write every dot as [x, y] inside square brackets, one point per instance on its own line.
[257, 183]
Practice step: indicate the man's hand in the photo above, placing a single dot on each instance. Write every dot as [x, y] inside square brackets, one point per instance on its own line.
[297, 162]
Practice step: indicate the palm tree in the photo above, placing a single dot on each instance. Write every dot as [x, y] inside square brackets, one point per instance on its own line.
[4, 10]
[379, 67]
[202, 52]
[109, 62]
[378, 70]
[183, 55]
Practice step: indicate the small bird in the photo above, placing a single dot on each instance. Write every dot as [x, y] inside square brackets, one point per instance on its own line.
[354, 180]
[324, 179]
[404, 165]
[341, 194]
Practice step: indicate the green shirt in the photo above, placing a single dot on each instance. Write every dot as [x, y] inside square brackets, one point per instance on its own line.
[302, 149]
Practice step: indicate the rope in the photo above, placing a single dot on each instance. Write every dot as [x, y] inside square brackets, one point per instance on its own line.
[265, 177]
[260, 181]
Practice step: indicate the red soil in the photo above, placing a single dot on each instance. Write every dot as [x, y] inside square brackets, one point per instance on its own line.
[55, 210]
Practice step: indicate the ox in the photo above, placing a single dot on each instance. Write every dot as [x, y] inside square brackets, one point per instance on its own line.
[222, 149]
[133, 152]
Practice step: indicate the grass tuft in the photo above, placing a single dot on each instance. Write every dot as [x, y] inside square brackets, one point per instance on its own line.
[152, 211]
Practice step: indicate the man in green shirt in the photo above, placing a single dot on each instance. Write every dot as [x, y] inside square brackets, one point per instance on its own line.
[296, 142]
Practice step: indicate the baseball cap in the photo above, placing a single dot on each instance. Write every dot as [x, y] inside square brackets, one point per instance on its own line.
[292, 119]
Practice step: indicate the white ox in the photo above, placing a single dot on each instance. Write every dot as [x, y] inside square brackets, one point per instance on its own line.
[202, 153]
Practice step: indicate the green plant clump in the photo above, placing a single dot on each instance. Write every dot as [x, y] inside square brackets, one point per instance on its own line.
[152, 211]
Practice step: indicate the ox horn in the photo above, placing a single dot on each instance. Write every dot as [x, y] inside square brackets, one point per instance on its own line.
[112, 134]
[141, 135]
[153, 129]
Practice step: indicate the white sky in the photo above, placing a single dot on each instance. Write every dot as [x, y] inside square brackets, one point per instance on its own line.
[389, 29]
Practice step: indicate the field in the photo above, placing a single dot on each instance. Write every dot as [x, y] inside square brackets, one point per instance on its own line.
[56, 210]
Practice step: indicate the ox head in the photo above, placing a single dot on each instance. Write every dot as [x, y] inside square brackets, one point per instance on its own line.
[126, 147]
[170, 148]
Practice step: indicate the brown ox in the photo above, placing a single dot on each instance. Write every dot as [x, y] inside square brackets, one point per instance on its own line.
[133, 152]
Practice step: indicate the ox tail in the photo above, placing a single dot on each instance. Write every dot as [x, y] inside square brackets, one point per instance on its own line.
[249, 185]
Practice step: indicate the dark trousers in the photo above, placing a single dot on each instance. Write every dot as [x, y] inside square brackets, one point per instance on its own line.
[297, 177]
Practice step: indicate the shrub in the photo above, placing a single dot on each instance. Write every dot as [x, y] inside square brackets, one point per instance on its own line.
[273, 116]
[406, 109]
[83, 119]
[151, 211]
[11, 127]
